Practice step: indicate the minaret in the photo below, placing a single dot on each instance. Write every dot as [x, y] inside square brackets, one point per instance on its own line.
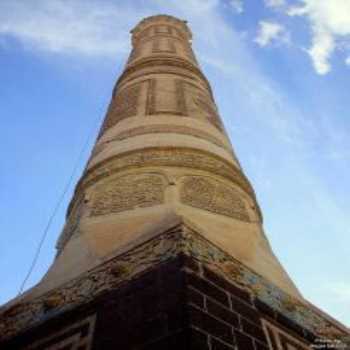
[163, 246]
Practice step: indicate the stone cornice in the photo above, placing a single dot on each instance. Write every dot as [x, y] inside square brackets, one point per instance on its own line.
[161, 19]
[158, 61]
[170, 157]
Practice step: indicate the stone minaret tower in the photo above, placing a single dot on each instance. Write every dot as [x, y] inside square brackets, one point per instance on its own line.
[163, 247]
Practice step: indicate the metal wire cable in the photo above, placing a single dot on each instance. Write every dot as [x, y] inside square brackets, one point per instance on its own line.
[58, 204]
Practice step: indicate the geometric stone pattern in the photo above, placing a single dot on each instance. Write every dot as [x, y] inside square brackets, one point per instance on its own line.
[209, 194]
[180, 97]
[123, 105]
[163, 45]
[281, 340]
[128, 192]
[78, 336]
[163, 101]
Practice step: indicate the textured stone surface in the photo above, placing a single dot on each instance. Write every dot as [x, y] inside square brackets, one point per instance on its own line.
[128, 192]
[208, 194]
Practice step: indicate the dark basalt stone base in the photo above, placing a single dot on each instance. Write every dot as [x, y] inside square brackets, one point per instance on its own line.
[178, 304]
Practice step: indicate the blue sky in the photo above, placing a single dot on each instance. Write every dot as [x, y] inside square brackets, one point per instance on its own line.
[280, 73]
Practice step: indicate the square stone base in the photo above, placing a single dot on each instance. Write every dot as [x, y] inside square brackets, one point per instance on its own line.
[179, 304]
[174, 291]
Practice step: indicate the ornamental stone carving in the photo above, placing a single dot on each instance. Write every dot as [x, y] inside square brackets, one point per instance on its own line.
[212, 195]
[123, 105]
[177, 157]
[165, 96]
[126, 193]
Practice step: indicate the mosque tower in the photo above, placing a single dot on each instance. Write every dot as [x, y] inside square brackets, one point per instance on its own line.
[163, 246]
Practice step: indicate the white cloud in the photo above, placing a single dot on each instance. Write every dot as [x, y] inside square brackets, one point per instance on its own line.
[297, 11]
[92, 29]
[269, 32]
[347, 61]
[237, 5]
[321, 50]
[330, 22]
[274, 3]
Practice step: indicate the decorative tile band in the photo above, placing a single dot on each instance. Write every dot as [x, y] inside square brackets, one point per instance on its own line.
[182, 239]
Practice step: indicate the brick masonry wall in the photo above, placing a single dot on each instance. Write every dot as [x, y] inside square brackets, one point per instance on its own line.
[228, 317]
[180, 304]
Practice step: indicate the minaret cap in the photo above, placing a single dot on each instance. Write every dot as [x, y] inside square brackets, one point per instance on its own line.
[159, 19]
